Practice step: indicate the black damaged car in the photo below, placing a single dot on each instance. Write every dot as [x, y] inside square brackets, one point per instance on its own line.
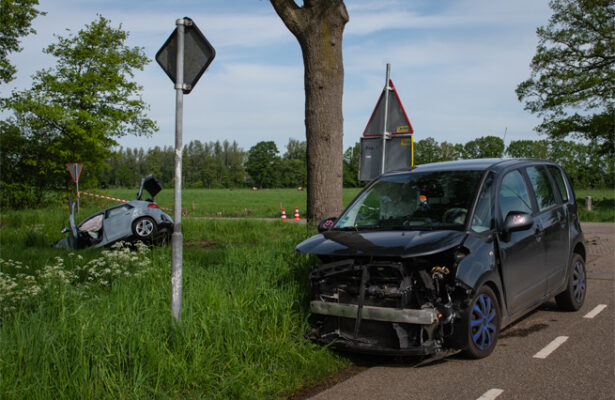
[442, 256]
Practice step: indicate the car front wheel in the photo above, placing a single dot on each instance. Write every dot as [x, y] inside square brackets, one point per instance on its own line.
[573, 297]
[144, 228]
[482, 324]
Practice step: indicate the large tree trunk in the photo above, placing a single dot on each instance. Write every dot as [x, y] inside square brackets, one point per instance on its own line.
[319, 26]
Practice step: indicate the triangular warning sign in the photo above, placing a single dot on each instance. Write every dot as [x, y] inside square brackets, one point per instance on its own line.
[398, 122]
[75, 170]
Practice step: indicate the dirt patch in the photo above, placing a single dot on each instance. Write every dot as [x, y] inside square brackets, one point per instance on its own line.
[211, 243]
[241, 213]
[331, 381]
[592, 240]
[203, 243]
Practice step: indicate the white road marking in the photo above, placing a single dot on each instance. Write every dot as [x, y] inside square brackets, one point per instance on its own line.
[491, 394]
[595, 311]
[550, 348]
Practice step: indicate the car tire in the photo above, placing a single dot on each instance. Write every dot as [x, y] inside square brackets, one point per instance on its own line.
[481, 324]
[573, 297]
[144, 228]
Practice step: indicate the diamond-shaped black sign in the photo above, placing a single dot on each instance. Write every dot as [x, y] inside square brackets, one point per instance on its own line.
[198, 54]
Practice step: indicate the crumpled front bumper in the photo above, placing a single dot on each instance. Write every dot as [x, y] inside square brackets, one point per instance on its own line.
[426, 316]
[393, 319]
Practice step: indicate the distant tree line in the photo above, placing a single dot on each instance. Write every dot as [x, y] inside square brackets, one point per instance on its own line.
[210, 165]
[226, 165]
[585, 163]
[205, 165]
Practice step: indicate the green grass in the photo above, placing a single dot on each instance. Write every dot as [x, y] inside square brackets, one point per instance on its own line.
[603, 201]
[264, 203]
[244, 315]
[244, 320]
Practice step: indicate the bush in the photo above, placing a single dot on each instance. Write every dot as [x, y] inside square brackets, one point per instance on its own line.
[18, 196]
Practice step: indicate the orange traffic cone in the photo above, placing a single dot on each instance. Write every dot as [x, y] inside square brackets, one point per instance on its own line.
[296, 217]
[283, 215]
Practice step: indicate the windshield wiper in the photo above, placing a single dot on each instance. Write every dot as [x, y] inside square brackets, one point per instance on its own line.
[355, 228]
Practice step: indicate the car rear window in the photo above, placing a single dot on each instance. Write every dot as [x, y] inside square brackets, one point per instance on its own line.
[545, 197]
[118, 210]
[559, 181]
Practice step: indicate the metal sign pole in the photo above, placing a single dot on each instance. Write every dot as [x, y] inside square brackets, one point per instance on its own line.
[177, 237]
[78, 195]
[386, 113]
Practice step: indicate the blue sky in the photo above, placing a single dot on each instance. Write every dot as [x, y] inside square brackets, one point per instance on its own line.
[455, 65]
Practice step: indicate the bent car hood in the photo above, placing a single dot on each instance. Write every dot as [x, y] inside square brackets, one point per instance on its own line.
[381, 243]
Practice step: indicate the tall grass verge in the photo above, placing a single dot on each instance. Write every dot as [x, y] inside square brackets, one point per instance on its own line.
[603, 205]
[242, 333]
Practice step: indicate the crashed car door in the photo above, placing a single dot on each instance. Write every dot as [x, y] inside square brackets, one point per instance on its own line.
[521, 253]
[118, 223]
[553, 220]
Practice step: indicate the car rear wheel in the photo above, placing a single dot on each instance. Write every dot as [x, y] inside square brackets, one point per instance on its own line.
[482, 324]
[574, 296]
[144, 228]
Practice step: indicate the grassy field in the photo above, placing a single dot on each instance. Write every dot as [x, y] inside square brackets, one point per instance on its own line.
[603, 205]
[97, 323]
[265, 203]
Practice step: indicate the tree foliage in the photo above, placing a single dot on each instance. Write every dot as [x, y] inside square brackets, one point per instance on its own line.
[484, 147]
[76, 110]
[426, 151]
[296, 149]
[205, 165]
[574, 68]
[293, 171]
[528, 149]
[352, 157]
[263, 164]
[15, 22]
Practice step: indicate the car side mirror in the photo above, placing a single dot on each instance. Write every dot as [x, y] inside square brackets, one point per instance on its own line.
[516, 221]
[326, 224]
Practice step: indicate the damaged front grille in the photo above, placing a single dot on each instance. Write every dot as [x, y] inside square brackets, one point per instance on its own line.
[380, 305]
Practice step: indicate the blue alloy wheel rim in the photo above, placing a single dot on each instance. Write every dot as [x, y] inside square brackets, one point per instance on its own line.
[578, 281]
[483, 322]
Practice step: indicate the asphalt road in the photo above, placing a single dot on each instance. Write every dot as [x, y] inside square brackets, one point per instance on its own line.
[578, 352]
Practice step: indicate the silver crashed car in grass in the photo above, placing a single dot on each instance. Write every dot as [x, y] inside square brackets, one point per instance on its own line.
[135, 220]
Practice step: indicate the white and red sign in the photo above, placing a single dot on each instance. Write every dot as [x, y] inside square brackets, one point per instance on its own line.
[75, 170]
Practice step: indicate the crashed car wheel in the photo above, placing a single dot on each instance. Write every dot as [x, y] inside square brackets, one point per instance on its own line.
[574, 296]
[482, 320]
[144, 228]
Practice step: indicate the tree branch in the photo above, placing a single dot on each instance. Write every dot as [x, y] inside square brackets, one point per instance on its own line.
[289, 13]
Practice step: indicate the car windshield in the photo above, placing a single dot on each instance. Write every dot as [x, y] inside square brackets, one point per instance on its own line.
[416, 200]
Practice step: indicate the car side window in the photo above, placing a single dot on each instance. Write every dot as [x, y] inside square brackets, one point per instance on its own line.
[545, 197]
[118, 210]
[559, 181]
[513, 195]
[481, 220]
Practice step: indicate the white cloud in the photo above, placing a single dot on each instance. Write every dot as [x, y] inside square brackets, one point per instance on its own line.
[455, 65]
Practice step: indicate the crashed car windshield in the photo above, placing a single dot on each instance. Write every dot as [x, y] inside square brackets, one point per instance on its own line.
[429, 200]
